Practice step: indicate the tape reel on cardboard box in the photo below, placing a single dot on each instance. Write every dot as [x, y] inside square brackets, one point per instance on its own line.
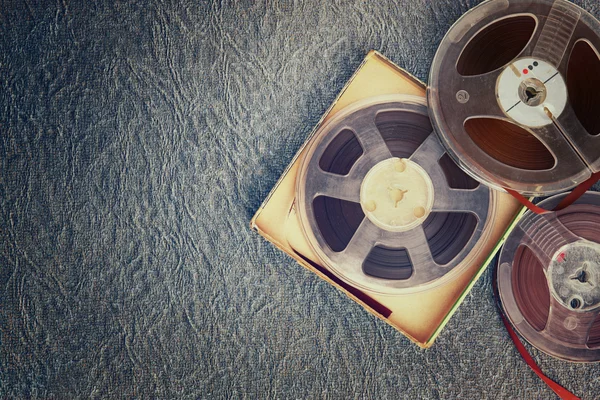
[382, 204]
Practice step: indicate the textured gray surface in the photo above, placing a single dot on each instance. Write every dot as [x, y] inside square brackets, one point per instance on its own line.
[137, 140]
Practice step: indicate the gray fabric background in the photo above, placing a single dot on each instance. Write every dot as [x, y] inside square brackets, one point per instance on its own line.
[137, 141]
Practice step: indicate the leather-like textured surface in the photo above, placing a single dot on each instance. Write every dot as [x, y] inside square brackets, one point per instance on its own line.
[137, 140]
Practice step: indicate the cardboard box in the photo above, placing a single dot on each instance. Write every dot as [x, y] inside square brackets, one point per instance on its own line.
[420, 316]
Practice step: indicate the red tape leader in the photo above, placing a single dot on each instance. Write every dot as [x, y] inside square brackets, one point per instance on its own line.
[567, 201]
[563, 393]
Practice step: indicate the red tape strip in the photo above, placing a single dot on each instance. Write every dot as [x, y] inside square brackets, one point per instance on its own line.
[556, 388]
[567, 201]
[559, 390]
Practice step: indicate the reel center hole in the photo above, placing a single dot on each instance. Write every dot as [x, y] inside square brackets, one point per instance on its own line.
[581, 276]
[532, 92]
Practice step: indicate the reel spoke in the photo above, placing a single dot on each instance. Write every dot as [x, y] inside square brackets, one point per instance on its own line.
[428, 156]
[545, 235]
[415, 242]
[569, 325]
[476, 97]
[460, 200]
[369, 137]
[554, 137]
[351, 259]
[430, 151]
[553, 38]
[447, 199]
[337, 186]
[586, 145]
[419, 251]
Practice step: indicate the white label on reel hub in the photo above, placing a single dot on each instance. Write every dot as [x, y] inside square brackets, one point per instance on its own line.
[531, 91]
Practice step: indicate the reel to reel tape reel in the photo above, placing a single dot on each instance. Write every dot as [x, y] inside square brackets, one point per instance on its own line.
[549, 279]
[513, 95]
[382, 204]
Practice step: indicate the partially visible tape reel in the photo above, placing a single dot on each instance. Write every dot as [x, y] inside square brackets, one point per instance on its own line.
[514, 93]
[549, 279]
[382, 204]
